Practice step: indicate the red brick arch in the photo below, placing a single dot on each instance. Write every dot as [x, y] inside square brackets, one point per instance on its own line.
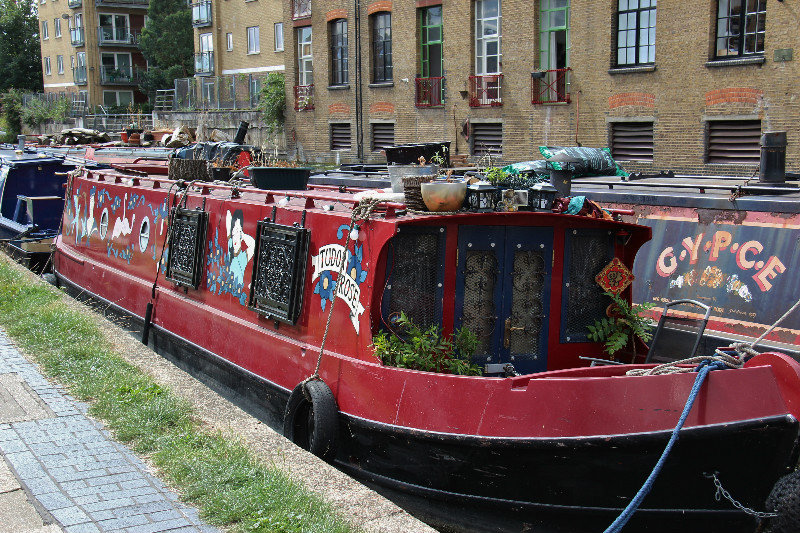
[635, 99]
[339, 108]
[375, 7]
[382, 107]
[335, 14]
[741, 95]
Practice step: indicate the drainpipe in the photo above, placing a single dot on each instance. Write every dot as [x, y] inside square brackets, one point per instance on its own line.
[359, 94]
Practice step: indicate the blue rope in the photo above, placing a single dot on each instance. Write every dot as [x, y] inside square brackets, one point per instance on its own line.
[702, 371]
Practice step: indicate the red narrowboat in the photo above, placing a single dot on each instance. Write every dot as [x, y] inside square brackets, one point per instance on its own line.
[248, 284]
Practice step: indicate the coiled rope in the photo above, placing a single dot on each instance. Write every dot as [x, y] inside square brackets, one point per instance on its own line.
[361, 212]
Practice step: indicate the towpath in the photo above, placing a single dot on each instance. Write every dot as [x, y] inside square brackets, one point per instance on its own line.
[67, 473]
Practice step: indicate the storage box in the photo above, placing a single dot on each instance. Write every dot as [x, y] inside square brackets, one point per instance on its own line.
[280, 178]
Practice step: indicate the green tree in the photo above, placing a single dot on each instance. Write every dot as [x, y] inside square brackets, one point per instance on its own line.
[20, 54]
[168, 44]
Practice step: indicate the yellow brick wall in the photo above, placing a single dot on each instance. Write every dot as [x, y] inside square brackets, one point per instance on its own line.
[678, 94]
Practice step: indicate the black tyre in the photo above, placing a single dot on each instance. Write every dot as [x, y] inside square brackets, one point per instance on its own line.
[312, 419]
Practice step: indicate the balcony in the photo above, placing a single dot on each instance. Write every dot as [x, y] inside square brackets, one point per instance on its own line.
[303, 97]
[129, 4]
[76, 36]
[429, 92]
[79, 75]
[550, 86]
[74, 3]
[201, 14]
[110, 36]
[204, 63]
[301, 9]
[121, 75]
[484, 91]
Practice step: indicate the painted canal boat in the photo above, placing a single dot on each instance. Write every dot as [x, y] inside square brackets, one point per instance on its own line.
[249, 279]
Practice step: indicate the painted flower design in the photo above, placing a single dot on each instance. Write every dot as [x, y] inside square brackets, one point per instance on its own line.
[325, 287]
[354, 269]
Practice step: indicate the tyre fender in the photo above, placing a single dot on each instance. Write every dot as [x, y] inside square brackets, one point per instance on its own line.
[312, 419]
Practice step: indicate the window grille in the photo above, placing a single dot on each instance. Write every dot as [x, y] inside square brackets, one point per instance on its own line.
[734, 141]
[382, 135]
[636, 32]
[338, 32]
[382, 47]
[487, 139]
[632, 141]
[340, 136]
[741, 27]
[485, 91]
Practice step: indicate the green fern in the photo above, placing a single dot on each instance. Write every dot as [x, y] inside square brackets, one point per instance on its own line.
[618, 331]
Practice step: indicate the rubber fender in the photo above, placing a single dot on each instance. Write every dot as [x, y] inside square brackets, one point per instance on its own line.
[312, 419]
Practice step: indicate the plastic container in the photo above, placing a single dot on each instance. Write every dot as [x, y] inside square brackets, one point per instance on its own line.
[280, 178]
[398, 172]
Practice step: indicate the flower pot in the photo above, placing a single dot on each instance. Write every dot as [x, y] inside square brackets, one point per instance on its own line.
[443, 195]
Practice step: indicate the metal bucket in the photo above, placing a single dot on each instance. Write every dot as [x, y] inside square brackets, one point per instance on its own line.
[398, 172]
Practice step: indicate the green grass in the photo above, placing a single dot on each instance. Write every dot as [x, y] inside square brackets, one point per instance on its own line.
[214, 472]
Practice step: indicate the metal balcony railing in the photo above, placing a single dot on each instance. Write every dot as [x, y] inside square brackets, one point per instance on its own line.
[76, 36]
[429, 92]
[301, 9]
[550, 86]
[121, 75]
[108, 35]
[79, 75]
[201, 14]
[303, 97]
[131, 4]
[204, 63]
[485, 91]
[74, 3]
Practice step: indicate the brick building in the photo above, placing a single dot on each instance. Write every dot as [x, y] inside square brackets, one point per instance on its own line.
[238, 37]
[665, 86]
[90, 47]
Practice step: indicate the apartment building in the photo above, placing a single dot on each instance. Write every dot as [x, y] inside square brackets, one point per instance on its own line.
[91, 47]
[241, 40]
[665, 85]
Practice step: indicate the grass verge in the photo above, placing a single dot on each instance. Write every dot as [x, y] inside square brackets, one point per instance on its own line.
[218, 475]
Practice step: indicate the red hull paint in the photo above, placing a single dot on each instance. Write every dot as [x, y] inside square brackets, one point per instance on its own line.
[578, 402]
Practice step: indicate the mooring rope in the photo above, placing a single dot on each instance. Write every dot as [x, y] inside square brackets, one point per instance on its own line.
[361, 211]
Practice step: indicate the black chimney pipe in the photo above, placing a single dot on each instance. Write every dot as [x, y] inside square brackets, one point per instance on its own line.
[241, 132]
[773, 157]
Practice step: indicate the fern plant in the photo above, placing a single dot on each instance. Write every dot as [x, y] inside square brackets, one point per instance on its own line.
[625, 324]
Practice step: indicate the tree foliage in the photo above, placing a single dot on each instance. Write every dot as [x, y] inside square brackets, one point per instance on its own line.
[167, 42]
[272, 101]
[20, 53]
[11, 115]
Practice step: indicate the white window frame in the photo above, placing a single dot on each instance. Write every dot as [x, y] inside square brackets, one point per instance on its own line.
[126, 28]
[78, 20]
[45, 31]
[80, 59]
[278, 33]
[57, 27]
[206, 42]
[60, 64]
[47, 70]
[483, 40]
[116, 96]
[253, 40]
[229, 41]
[305, 60]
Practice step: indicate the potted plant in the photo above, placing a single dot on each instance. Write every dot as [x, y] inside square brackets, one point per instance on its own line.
[622, 326]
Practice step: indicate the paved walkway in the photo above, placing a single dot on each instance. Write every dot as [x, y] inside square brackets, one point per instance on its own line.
[66, 473]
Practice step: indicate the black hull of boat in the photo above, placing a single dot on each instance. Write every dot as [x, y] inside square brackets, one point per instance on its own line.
[570, 485]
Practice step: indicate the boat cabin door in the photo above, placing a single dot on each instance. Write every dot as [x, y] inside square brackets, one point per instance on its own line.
[503, 294]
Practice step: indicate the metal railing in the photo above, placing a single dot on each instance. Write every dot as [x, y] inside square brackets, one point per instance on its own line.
[77, 101]
[204, 63]
[234, 92]
[301, 9]
[79, 75]
[550, 86]
[76, 36]
[118, 122]
[201, 13]
[165, 99]
[303, 97]
[429, 92]
[485, 91]
[74, 3]
[120, 75]
[108, 35]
